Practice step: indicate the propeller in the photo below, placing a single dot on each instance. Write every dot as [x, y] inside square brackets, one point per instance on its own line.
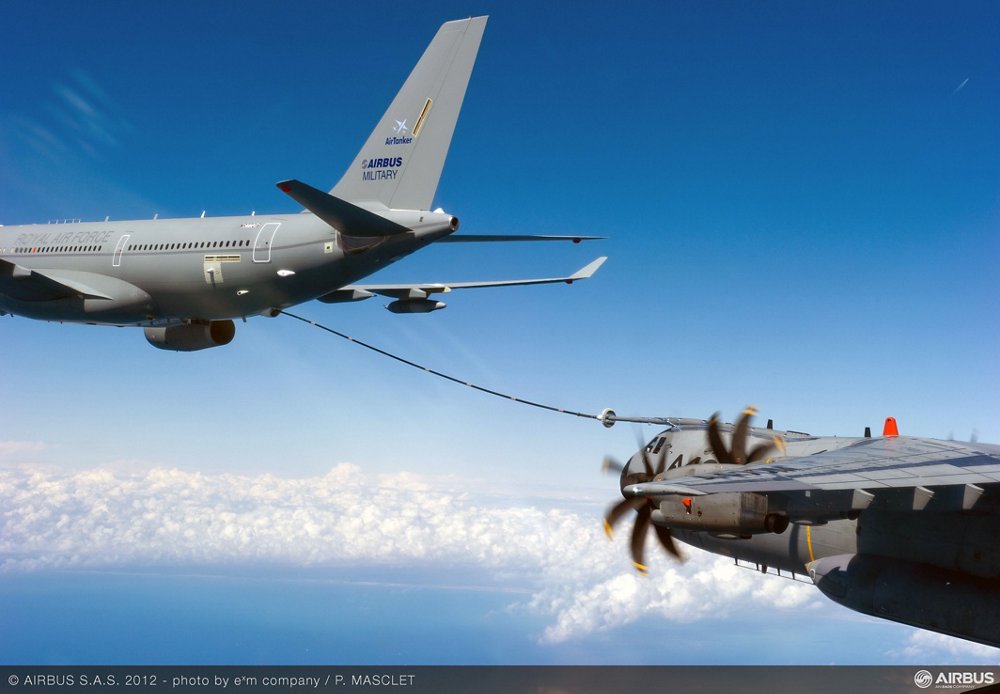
[737, 455]
[643, 508]
[611, 464]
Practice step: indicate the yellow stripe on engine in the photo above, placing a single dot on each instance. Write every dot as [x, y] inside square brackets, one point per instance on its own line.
[809, 542]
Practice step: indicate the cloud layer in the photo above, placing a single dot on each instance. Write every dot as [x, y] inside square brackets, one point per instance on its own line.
[99, 517]
[168, 517]
[171, 518]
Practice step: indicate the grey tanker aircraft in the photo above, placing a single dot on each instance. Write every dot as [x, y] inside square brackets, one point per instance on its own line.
[901, 528]
[186, 280]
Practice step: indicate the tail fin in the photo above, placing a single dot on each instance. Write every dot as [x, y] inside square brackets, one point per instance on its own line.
[400, 165]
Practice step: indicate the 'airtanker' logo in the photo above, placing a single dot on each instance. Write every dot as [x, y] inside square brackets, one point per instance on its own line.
[401, 137]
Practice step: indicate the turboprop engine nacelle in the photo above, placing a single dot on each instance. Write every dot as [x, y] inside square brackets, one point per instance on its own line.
[191, 337]
[733, 513]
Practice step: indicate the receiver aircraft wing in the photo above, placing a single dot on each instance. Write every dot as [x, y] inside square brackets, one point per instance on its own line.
[906, 472]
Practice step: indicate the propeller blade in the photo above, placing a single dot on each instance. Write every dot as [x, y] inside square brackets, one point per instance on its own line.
[646, 464]
[667, 540]
[639, 531]
[759, 452]
[610, 464]
[715, 440]
[740, 435]
[616, 512]
[641, 445]
[661, 463]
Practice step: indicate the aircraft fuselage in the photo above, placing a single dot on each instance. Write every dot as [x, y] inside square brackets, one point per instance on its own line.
[161, 272]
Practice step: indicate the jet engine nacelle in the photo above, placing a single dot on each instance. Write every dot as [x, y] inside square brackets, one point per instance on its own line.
[415, 305]
[191, 337]
[342, 296]
[732, 513]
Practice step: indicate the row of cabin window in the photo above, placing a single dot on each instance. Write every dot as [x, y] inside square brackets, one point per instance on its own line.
[185, 246]
[137, 247]
[59, 249]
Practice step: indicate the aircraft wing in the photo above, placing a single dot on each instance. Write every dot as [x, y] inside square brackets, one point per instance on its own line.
[495, 238]
[906, 473]
[44, 285]
[406, 291]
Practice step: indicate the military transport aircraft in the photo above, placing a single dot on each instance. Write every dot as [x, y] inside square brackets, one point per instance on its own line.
[185, 280]
[901, 528]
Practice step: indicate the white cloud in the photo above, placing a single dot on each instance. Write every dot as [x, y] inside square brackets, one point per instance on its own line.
[105, 517]
[705, 586]
[87, 110]
[123, 518]
[928, 646]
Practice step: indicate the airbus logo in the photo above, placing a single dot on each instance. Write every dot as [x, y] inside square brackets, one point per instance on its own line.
[381, 168]
[381, 163]
[953, 680]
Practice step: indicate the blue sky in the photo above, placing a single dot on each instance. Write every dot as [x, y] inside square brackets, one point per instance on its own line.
[801, 209]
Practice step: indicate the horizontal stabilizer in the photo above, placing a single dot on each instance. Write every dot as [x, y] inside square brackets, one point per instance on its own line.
[495, 238]
[346, 218]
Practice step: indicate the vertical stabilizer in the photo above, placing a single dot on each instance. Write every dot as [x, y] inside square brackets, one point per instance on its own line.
[400, 165]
